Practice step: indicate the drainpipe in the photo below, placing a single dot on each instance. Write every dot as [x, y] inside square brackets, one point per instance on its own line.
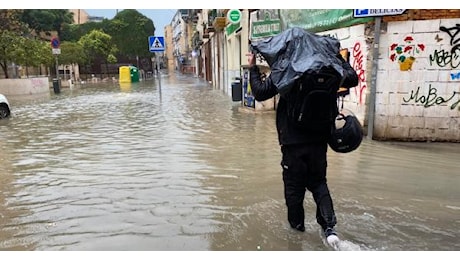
[375, 54]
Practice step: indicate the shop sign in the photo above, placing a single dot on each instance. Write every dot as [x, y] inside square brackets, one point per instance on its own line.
[231, 28]
[265, 28]
[234, 16]
[320, 20]
[220, 22]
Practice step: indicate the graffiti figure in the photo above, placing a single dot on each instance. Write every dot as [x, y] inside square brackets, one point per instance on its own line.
[405, 53]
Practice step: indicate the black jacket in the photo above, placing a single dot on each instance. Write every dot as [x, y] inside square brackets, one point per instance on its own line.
[287, 132]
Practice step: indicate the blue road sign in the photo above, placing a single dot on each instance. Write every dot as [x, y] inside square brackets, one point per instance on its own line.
[156, 43]
[361, 12]
[55, 43]
[376, 12]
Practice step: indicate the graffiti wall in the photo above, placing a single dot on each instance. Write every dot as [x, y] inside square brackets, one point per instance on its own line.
[418, 82]
[353, 41]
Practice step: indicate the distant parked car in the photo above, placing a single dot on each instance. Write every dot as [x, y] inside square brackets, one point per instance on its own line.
[5, 110]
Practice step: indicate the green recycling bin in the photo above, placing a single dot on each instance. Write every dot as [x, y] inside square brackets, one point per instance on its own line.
[134, 74]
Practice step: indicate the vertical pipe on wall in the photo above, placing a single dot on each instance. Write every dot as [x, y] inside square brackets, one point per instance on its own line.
[375, 57]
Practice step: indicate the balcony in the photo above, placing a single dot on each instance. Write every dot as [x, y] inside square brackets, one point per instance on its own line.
[208, 28]
[184, 12]
[196, 41]
[194, 19]
[219, 23]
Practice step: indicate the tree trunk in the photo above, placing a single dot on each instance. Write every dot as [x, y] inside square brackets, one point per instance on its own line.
[107, 69]
[27, 70]
[5, 69]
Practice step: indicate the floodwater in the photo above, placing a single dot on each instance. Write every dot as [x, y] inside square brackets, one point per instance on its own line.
[177, 166]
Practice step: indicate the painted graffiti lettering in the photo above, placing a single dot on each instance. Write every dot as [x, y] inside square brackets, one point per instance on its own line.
[451, 58]
[432, 98]
[455, 104]
[444, 58]
[454, 33]
[358, 59]
[36, 83]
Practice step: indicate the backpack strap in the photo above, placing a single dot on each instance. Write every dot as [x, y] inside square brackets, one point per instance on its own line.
[340, 96]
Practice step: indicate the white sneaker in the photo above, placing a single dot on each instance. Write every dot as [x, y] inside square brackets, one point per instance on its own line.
[333, 241]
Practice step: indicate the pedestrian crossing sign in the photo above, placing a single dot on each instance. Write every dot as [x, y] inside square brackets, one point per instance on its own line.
[156, 43]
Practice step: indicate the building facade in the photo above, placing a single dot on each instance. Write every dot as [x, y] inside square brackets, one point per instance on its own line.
[408, 63]
[169, 47]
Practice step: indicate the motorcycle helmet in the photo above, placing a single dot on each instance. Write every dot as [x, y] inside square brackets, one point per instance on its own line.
[347, 133]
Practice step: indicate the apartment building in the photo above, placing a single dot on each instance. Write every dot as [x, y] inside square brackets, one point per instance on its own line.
[80, 16]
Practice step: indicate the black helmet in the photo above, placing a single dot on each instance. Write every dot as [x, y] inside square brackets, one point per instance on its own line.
[348, 135]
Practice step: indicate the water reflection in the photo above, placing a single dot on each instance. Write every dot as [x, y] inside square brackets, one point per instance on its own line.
[110, 167]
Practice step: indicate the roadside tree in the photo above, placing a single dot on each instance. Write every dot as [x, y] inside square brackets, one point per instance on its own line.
[98, 45]
[130, 31]
[10, 44]
[46, 20]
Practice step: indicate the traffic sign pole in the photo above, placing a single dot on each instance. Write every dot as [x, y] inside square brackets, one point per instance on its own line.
[375, 57]
[57, 88]
[158, 75]
[377, 13]
[55, 44]
[157, 44]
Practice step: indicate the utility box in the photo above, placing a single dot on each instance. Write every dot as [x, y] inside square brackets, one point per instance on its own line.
[128, 74]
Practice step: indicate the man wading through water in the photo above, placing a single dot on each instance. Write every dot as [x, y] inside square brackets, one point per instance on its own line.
[304, 152]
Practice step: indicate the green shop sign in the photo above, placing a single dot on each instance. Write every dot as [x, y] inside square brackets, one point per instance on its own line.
[234, 16]
[265, 28]
[319, 20]
[232, 27]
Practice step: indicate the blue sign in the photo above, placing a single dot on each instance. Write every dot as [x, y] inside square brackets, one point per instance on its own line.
[361, 12]
[156, 43]
[358, 13]
[55, 43]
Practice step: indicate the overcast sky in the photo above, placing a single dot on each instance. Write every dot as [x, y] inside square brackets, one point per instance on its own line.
[160, 17]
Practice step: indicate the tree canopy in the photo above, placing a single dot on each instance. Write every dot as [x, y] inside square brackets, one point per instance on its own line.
[130, 31]
[97, 44]
[24, 37]
[10, 43]
[47, 20]
[10, 20]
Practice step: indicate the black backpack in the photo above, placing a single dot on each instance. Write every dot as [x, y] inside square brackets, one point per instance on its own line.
[312, 102]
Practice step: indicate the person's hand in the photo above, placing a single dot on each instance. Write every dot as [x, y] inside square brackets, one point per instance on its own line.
[251, 59]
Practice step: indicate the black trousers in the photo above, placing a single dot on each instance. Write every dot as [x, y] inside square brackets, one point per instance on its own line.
[304, 167]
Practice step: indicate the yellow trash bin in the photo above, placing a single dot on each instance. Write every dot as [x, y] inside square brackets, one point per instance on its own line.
[124, 74]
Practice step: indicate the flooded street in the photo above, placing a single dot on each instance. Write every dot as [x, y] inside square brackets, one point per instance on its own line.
[180, 167]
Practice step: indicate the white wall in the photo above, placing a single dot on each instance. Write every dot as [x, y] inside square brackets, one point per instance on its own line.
[419, 101]
[29, 86]
[354, 40]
